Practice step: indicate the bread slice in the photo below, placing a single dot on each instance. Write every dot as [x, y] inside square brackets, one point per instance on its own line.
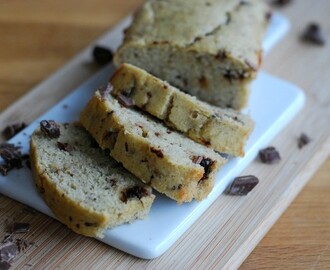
[86, 189]
[166, 160]
[208, 48]
[224, 130]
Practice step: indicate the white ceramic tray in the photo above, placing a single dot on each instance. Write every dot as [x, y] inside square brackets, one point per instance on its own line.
[273, 103]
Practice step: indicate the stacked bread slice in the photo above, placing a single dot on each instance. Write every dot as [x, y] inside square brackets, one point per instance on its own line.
[86, 189]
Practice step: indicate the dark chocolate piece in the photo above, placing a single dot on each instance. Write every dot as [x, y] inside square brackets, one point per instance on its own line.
[11, 130]
[50, 128]
[125, 100]
[204, 162]
[8, 251]
[22, 244]
[105, 91]
[242, 185]
[11, 155]
[158, 152]
[102, 55]
[281, 3]
[269, 155]
[134, 192]
[65, 147]
[313, 34]
[303, 140]
[19, 227]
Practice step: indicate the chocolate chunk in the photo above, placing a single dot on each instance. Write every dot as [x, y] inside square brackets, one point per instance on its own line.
[105, 91]
[102, 55]
[22, 244]
[11, 130]
[158, 152]
[4, 169]
[19, 227]
[125, 100]
[197, 159]
[134, 192]
[269, 155]
[204, 162]
[281, 3]
[242, 185]
[303, 140]
[65, 147]
[90, 224]
[12, 157]
[313, 34]
[207, 164]
[8, 251]
[50, 128]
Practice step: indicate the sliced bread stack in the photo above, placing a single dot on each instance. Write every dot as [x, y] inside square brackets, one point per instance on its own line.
[86, 189]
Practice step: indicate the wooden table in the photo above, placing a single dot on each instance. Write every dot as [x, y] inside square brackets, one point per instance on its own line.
[38, 37]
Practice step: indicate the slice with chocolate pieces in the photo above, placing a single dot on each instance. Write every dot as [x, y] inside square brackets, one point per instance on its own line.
[242, 185]
[145, 147]
[86, 184]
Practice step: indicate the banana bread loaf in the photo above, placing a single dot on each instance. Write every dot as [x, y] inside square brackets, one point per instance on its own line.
[166, 160]
[208, 48]
[86, 189]
[224, 130]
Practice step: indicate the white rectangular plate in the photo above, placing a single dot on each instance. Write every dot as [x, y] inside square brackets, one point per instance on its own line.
[273, 103]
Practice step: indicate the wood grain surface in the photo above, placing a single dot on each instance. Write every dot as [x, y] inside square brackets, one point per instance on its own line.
[38, 37]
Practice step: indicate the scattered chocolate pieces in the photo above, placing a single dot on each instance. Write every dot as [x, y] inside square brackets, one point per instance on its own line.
[281, 3]
[125, 100]
[50, 128]
[313, 34]
[8, 252]
[19, 227]
[132, 192]
[12, 157]
[102, 55]
[303, 140]
[65, 147]
[11, 130]
[10, 246]
[269, 155]
[242, 185]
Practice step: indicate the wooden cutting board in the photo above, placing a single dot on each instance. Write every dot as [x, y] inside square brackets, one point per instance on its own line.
[210, 243]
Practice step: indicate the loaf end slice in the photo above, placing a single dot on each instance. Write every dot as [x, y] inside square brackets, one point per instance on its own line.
[223, 130]
[210, 49]
[169, 162]
[86, 189]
